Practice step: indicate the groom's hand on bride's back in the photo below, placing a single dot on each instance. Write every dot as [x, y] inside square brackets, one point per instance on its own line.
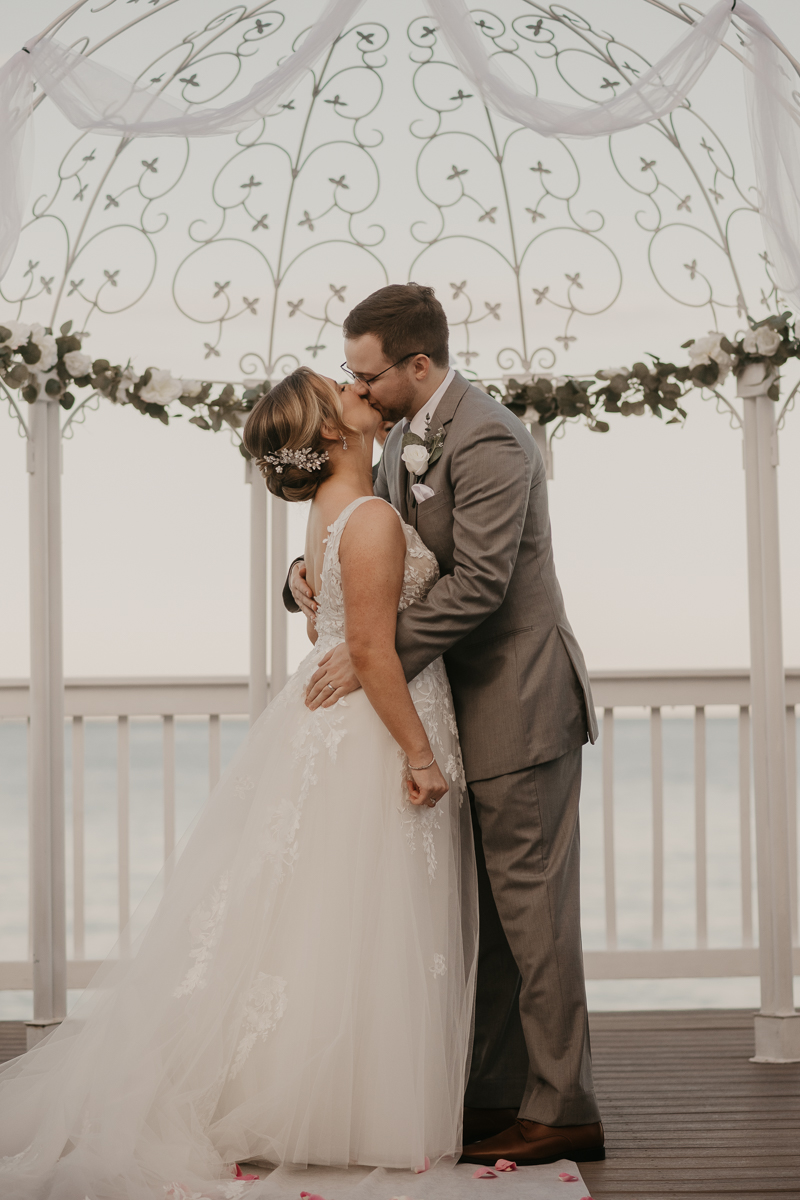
[333, 678]
[301, 590]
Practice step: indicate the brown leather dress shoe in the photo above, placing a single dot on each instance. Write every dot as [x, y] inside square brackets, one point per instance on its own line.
[480, 1123]
[528, 1143]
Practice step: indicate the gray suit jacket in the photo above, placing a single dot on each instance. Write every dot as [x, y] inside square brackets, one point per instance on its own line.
[520, 685]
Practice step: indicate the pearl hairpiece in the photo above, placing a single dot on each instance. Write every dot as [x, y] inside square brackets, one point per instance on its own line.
[306, 459]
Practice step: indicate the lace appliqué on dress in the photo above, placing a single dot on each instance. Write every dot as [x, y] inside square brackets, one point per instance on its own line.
[204, 927]
[413, 818]
[264, 1004]
[439, 966]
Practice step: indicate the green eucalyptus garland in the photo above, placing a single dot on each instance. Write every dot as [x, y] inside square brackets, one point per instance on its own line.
[659, 388]
[34, 361]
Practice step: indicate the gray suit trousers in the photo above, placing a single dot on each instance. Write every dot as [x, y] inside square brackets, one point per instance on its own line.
[531, 1048]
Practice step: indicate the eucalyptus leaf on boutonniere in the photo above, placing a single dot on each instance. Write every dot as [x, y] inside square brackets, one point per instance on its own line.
[419, 453]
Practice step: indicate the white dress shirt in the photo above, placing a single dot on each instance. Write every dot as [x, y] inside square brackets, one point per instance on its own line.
[418, 424]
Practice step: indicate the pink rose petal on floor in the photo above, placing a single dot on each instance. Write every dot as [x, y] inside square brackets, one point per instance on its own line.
[484, 1173]
[311, 1196]
[422, 1170]
[565, 1178]
[239, 1174]
[505, 1164]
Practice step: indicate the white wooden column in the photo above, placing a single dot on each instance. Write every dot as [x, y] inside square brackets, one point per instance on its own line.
[777, 1025]
[46, 783]
[258, 590]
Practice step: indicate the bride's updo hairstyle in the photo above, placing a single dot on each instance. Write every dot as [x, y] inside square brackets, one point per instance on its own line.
[284, 434]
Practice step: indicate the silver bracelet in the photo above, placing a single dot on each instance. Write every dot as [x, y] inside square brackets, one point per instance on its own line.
[430, 764]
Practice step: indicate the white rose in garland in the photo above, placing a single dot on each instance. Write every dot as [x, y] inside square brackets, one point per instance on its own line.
[191, 387]
[761, 341]
[19, 333]
[708, 349]
[416, 458]
[161, 389]
[78, 364]
[47, 345]
[613, 372]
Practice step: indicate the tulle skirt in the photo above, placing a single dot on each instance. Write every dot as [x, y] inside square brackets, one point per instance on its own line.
[297, 987]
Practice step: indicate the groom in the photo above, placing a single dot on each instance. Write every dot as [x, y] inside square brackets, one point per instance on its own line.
[524, 710]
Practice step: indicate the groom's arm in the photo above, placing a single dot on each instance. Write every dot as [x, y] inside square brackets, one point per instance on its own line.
[491, 476]
[289, 602]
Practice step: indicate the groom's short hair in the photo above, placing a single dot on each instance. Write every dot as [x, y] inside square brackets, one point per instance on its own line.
[406, 318]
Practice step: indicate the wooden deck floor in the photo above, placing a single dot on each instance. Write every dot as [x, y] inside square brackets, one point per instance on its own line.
[686, 1114]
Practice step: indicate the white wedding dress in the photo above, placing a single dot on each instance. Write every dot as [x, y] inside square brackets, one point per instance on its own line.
[298, 987]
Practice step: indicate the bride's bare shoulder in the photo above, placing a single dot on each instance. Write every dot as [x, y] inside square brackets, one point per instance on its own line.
[374, 526]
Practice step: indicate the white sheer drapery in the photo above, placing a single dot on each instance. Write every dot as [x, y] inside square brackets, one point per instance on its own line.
[660, 89]
[92, 96]
[773, 92]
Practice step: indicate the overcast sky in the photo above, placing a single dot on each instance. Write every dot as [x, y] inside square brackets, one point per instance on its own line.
[648, 520]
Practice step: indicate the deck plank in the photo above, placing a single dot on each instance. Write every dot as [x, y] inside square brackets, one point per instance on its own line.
[686, 1114]
[13, 1038]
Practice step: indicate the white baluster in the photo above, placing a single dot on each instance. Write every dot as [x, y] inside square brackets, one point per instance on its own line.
[657, 774]
[258, 591]
[214, 751]
[123, 826]
[78, 856]
[700, 846]
[278, 657]
[791, 797]
[608, 829]
[745, 846]
[168, 723]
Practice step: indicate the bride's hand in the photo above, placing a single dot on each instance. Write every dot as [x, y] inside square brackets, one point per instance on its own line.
[426, 786]
[333, 678]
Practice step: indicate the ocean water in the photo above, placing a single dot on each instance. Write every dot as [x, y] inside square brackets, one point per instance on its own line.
[632, 830]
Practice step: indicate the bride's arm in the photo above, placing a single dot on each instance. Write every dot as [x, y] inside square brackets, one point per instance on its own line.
[372, 556]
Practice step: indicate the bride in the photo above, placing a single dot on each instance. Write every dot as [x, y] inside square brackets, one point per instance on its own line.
[297, 986]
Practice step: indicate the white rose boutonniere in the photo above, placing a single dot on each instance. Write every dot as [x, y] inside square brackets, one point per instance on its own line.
[419, 453]
[416, 456]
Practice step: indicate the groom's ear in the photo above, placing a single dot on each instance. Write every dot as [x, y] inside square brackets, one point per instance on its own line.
[421, 366]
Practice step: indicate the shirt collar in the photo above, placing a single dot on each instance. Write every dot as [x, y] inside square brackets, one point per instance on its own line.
[418, 423]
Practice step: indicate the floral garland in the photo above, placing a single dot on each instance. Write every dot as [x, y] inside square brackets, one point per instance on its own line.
[35, 362]
[658, 389]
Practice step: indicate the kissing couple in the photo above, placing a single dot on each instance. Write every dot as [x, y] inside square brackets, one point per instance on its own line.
[367, 948]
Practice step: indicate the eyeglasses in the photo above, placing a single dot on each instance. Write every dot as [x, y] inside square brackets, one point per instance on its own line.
[355, 375]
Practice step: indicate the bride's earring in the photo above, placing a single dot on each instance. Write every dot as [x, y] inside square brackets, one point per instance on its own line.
[344, 443]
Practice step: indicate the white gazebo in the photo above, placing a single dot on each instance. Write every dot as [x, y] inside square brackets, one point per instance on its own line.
[292, 210]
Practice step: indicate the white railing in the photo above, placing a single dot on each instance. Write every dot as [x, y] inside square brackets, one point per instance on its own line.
[654, 692]
[697, 691]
